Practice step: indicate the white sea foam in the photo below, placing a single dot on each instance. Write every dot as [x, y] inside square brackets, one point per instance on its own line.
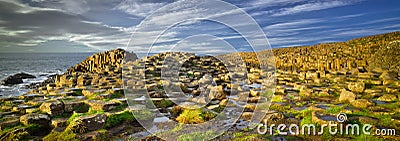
[40, 65]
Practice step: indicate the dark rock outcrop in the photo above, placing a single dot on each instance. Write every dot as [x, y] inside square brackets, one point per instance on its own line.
[16, 78]
[50, 79]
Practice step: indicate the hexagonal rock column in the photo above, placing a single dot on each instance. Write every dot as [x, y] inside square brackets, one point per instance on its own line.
[53, 108]
[85, 124]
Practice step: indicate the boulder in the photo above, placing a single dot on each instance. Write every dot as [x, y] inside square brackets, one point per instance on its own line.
[311, 75]
[255, 93]
[17, 134]
[246, 115]
[88, 123]
[321, 118]
[24, 75]
[216, 92]
[279, 90]
[89, 93]
[39, 119]
[31, 110]
[391, 90]
[75, 105]
[356, 87]
[223, 102]
[389, 75]
[91, 136]
[9, 123]
[59, 122]
[362, 103]
[305, 92]
[346, 96]
[11, 81]
[53, 108]
[16, 78]
[365, 119]
[101, 105]
[205, 80]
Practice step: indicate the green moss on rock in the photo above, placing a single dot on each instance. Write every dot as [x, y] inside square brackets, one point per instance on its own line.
[116, 119]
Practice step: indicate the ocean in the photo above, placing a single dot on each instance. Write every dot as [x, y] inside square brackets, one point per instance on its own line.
[40, 65]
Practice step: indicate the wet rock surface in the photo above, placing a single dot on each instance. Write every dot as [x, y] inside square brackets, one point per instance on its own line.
[16, 79]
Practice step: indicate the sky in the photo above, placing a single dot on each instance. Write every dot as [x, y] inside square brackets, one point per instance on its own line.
[99, 25]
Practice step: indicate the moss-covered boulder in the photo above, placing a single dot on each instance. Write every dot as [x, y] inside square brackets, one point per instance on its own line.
[9, 123]
[88, 123]
[116, 119]
[53, 108]
[39, 119]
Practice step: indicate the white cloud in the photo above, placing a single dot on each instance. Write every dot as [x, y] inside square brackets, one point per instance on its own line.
[32, 42]
[293, 24]
[296, 40]
[140, 9]
[32, 28]
[61, 21]
[381, 20]
[349, 16]
[6, 32]
[310, 7]
[70, 6]
[24, 8]
[269, 3]
[292, 28]
[392, 26]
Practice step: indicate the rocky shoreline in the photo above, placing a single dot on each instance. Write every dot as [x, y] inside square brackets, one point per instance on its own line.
[313, 84]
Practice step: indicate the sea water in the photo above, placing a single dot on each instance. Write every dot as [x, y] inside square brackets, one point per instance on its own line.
[41, 65]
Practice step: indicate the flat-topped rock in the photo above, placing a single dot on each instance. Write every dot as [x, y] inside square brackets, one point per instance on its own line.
[101, 105]
[75, 105]
[346, 96]
[9, 123]
[362, 103]
[387, 98]
[59, 122]
[88, 123]
[40, 119]
[53, 107]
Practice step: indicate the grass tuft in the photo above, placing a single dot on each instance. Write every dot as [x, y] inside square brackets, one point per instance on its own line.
[190, 116]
